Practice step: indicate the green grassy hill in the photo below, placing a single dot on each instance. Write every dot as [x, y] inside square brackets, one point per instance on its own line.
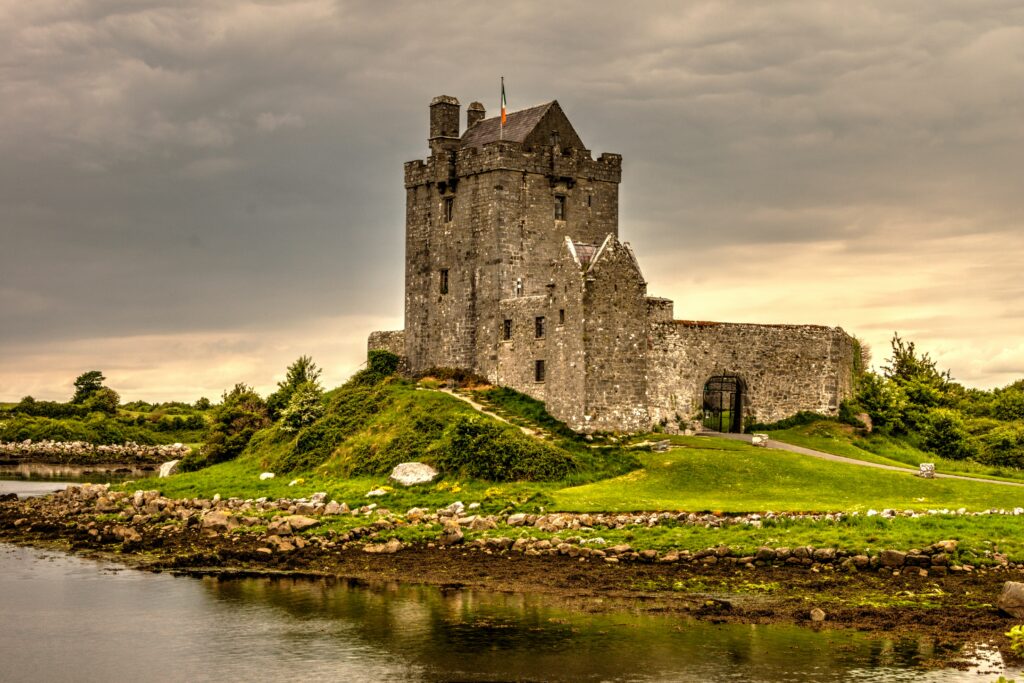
[373, 423]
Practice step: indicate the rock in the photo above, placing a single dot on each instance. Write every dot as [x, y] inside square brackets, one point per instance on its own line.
[5, 497]
[759, 440]
[892, 558]
[218, 521]
[376, 492]
[451, 534]
[332, 508]
[104, 504]
[1011, 600]
[279, 527]
[817, 614]
[412, 473]
[517, 519]
[279, 544]
[927, 470]
[168, 468]
[389, 548]
[482, 524]
[948, 547]
[266, 475]
[300, 523]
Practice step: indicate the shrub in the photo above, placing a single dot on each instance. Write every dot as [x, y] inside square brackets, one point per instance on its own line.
[945, 434]
[239, 416]
[302, 371]
[479, 448]
[304, 408]
[1003, 446]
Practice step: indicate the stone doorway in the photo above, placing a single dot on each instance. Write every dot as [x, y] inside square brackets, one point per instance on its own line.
[723, 404]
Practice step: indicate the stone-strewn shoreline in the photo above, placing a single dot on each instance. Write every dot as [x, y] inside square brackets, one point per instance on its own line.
[83, 452]
[277, 527]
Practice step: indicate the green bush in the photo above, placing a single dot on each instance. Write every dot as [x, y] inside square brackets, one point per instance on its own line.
[1003, 446]
[804, 417]
[239, 416]
[479, 448]
[945, 434]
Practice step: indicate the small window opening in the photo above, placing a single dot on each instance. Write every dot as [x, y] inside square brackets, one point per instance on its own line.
[449, 209]
[538, 327]
[444, 281]
[590, 200]
[554, 138]
[519, 286]
[560, 207]
[561, 316]
[538, 371]
[506, 330]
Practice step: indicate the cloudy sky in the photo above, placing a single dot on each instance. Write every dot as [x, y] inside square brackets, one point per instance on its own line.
[196, 192]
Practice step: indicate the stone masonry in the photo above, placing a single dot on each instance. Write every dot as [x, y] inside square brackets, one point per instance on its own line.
[514, 271]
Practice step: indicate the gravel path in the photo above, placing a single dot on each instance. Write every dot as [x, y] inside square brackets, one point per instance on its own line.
[772, 443]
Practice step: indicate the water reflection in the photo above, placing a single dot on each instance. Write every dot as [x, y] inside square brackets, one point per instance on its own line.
[79, 620]
[39, 479]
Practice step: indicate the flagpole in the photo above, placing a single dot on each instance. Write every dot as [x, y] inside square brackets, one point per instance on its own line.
[501, 112]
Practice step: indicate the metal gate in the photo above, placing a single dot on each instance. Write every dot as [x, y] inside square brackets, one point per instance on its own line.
[723, 404]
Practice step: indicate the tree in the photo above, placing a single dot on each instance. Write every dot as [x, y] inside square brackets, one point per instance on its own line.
[304, 408]
[87, 384]
[103, 400]
[302, 371]
[202, 404]
[241, 414]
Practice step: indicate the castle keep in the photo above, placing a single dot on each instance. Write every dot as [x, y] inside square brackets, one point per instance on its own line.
[514, 270]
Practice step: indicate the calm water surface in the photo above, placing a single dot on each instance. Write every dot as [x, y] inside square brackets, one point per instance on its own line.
[64, 618]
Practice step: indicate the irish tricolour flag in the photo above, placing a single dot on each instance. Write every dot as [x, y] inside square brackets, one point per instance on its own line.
[503, 101]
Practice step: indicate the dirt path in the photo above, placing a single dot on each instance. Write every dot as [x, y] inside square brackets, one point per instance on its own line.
[781, 445]
[483, 409]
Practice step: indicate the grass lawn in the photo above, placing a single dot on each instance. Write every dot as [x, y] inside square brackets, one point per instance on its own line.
[718, 475]
[838, 439]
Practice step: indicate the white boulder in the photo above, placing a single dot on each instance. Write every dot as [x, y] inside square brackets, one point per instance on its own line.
[412, 473]
[266, 475]
[168, 468]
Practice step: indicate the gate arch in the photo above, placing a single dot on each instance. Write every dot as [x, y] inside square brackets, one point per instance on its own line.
[723, 403]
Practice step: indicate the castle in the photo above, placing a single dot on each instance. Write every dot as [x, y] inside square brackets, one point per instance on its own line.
[514, 270]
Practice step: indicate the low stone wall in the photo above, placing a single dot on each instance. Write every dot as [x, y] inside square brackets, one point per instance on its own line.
[82, 451]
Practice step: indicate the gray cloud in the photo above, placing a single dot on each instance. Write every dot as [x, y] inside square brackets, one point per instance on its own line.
[204, 168]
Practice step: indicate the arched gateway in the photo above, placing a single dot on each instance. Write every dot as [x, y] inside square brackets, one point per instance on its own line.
[723, 404]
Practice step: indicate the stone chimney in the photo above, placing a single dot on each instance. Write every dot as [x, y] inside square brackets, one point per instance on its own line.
[444, 124]
[474, 113]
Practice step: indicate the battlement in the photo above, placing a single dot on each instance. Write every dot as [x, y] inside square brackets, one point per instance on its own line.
[514, 156]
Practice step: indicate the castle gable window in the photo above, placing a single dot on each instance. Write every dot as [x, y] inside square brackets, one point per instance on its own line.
[444, 281]
[538, 371]
[538, 327]
[506, 330]
[560, 207]
[561, 316]
[449, 209]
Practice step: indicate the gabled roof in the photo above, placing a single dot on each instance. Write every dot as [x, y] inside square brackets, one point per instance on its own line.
[518, 125]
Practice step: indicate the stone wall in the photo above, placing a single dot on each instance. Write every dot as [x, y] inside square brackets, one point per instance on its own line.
[783, 368]
[391, 340]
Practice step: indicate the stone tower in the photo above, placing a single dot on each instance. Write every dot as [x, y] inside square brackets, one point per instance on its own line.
[486, 215]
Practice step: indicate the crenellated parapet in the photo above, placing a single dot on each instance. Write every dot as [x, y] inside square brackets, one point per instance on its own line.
[514, 156]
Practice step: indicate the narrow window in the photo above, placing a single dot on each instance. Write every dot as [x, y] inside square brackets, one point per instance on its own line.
[538, 327]
[560, 207]
[590, 201]
[444, 280]
[449, 209]
[561, 316]
[506, 330]
[538, 371]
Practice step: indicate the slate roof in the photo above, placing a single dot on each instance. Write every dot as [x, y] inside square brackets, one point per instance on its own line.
[585, 253]
[518, 125]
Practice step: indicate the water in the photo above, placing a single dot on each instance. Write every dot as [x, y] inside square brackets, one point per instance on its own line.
[70, 619]
[39, 479]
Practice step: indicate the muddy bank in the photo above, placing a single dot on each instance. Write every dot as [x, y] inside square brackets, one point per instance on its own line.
[231, 537]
